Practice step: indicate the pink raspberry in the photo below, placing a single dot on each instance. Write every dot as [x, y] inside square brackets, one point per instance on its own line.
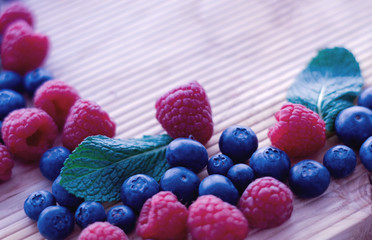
[15, 11]
[211, 218]
[186, 111]
[266, 203]
[6, 164]
[86, 119]
[163, 217]
[56, 98]
[298, 132]
[102, 230]
[28, 133]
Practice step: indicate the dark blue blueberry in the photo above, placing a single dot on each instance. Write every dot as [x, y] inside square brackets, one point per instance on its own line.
[239, 143]
[241, 175]
[365, 98]
[182, 182]
[365, 154]
[123, 217]
[272, 162]
[308, 179]
[89, 212]
[137, 189]
[188, 153]
[354, 125]
[10, 80]
[10, 100]
[56, 222]
[219, 164]
[36, 202]
[340, 161]
[219, 186]
[63, 197]
[35, 79]
[52, 160]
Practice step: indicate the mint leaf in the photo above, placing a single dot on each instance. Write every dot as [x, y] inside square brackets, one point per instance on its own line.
[328, 85]
[97, 168]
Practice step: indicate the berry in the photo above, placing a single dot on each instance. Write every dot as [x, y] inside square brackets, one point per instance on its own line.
[181, 182]
[210, 218]
[241, 175]
[36, 202]
[34, 79]
[15, 11]
[9, 101]
[308, 179]
[86, 119]
[123, 217]
[266, 203]
[28, 133]
[6, 164]
[22, 50]
[365, 154]
[137, 189]
[89, 212]
[55, 222]
[219, 186]
[10, 80]
[270, 161]
[102, 230]
[340, 161]
[186, 111]
[187, 153]
[163, 217]
[63, 197]
[365, 98]
[56, 98]
[219, 164]
[353, 126]
[238, 142]
[52, 160]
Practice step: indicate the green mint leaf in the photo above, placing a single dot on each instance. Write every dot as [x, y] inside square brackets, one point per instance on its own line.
[97, 168]
[328, 85]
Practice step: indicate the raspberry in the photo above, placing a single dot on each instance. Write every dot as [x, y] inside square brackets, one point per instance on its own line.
[86, 119]
[186, 111]
[102, 230]
[22, 50]
[266, 203]
[299, 131]
[6, 164]
[163, 217]
[212, 218]
[28, 133]
[56, 98]
[15, 11]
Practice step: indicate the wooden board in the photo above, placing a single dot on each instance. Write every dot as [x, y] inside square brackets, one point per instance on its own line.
[125, 54]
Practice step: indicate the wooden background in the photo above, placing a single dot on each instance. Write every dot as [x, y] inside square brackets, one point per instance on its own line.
[246, 53]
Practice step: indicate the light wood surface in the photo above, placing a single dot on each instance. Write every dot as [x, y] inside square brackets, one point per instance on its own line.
[246, 53]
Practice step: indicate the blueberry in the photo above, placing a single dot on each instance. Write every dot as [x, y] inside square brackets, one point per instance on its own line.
[55, 222]
[137, 189]
[238, 142]
[365, 154]
[219, 164]
[188, 153]
[10, 80]
[123, 217]
[365, 98]
[89, 212]
[52, 160]
[219, 186]
[182, 182]
[63, 197]
[36, 202]
[340, 161]
[35, 79]
[308, 179]
[9, 101]
[354, 125]
[270, 161]
[241, 175]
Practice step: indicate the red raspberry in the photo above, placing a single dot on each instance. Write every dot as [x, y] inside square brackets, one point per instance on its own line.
[22, 50]
[212, 218]
[6, 164]
[163, 217]
[266, 203]
[28, 133]
[56, 98]
[15, 11]
[299, 131]
[86, 119]
[186, 111]
[102, 230]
